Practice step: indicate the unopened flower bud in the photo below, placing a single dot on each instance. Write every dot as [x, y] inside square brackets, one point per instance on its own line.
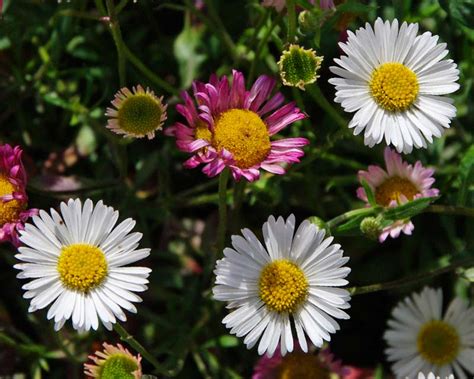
[371, 227]
[298, 66]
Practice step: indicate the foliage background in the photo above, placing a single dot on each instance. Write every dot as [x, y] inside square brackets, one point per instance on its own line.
[58, 73]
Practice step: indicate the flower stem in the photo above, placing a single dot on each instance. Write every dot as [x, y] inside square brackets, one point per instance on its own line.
[222, 227]
[130, 340]
[291, 8]
[348, 215]
[450, 210]
[134, 60]
[315, 92]
[117, 36]
[409, 280]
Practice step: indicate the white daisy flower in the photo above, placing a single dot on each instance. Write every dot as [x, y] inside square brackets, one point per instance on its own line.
[76, 260]
[293, 277]
[420, 339]
[393, 78]
[432, 376]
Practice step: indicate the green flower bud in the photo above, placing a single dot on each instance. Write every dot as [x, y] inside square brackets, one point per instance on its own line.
[309, 21]
[371, 227]
[298, 66]
[317, 221]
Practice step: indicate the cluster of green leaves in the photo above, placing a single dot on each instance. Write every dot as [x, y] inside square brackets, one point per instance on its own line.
[58, 73]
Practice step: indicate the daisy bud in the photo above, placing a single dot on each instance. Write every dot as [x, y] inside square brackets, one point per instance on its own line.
[317, 221]
[371, 227]
[298, 66]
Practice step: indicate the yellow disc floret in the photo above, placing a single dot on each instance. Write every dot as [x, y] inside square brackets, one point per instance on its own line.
[393, 188]
[140, 114]
[82, 267]
[394, 86]
[202, 131]
[9, 210]
[244, 134]
[300, 365]
[438, 342]
[283, 286]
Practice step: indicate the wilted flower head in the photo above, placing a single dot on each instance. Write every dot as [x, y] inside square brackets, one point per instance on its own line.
[13, 198]
[232, 127]
[114, 362]
[299, 364]
[299, 66]
[398, 184]
[138, 113]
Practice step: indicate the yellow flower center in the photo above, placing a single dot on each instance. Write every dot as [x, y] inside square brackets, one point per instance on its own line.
[438, 342]
[283, 286]
[394, 86]
[202, 131]
[139, 114]
[301, 365]
[82, 267]
[244, 134]
[393, 188]
[9, 210]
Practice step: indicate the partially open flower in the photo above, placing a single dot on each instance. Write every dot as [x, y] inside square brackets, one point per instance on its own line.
[299, 66]
[398, 184]
[13, 198]
[114, 362]
[138, 113]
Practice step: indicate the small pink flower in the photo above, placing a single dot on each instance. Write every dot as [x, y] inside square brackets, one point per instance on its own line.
[114, 362]
[398, 184]
[228, 126]
[13, 198]
[299, 365]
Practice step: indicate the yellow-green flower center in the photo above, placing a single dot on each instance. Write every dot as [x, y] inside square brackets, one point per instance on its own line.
[82, 267]
[438, 342]
[139, 114]
[9, 210]
[244, 134]
[301, 365]
[393, 188]
[394, 86]
[283, 286]
[118, 366]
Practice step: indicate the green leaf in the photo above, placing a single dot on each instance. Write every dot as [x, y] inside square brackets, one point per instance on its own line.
[461, 11]
[409, 209]
[370, 194]
[186, 52]
[466, 176]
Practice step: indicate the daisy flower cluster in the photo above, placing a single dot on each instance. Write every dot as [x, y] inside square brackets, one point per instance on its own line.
[284, 287]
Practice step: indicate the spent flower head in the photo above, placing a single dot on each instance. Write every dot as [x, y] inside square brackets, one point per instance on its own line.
[114, 362]
[137, 113]
[299, 66]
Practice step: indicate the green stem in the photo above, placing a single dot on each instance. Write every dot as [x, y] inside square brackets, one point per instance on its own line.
[348, 215]
[409, 280]
[291, 8]
[450, 210]
[222, 227]
[260, 47]
[130, 340]
[134, 60]
[117, 36]
[318, 96]
[221, 30]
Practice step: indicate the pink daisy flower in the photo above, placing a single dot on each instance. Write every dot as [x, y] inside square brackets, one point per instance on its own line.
[299, 365]
[13, 198]
[232, 127]
[398, 184]
[114, 362]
